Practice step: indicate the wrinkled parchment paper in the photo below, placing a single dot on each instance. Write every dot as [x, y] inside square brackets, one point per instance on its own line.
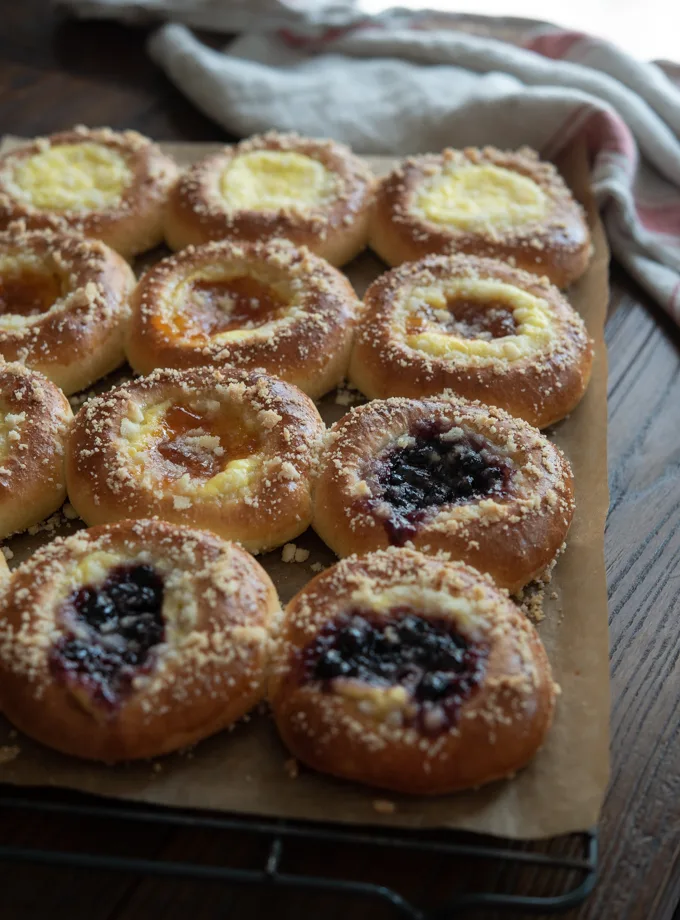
[561, 791]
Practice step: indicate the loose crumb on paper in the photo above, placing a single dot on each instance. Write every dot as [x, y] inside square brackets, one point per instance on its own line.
[347, 396]
[7, 553]
[53, 523]
[531, 598]
[8, 753]
[384, 806]
[70, 512]
[317, 567]
[293, 553]
[291, 768]
[530, 601]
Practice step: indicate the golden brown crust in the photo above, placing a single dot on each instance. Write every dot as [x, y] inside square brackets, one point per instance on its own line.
[537, 371]
[305, 338]
[35, 418]
[207, 672]
[131, 225]
[512, 535]
[338, 231]
[238, 463]
[76, 336]
[557, 246]
[373, 733]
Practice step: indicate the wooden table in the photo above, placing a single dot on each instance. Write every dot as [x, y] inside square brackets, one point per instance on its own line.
[55, 73]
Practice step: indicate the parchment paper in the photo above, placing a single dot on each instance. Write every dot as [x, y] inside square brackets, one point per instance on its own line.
[561, 791]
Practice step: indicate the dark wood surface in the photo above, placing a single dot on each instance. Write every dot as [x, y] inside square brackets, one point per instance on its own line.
[55, 73]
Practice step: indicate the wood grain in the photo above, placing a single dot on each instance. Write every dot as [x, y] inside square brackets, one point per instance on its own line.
[54, 73]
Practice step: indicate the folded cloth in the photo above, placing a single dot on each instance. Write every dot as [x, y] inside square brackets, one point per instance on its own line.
[396, 85]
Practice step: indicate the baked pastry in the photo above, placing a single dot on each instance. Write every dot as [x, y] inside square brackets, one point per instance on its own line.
[505, 204]
[35, 418]
[410, 673]
[63, 305]
[315, 193]
[478, 328]
[445, 475]
[133, 640]
[102, 183]
[266, 305]
[230, 451]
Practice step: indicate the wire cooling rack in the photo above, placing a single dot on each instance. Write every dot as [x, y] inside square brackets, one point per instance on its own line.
[455, 872]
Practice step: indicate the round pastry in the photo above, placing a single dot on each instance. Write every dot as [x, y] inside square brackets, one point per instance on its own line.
[253, 305]
[34, 422]
[410, 673]
[134, 640]
[63, 305]
[98, 182]
[445, 475]
[478, 328]
[313, 192]
[230, 451]
[506, 204]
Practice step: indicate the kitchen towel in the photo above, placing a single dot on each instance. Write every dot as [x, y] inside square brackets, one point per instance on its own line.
[401, 84]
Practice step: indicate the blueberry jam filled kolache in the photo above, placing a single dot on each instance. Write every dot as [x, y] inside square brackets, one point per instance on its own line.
[134, 639]
[445, 475]
[410, 673]
[475, 327]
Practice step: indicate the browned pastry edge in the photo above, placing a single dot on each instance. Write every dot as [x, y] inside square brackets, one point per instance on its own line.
[558, 247]
[541, 388]
[513, 538]
[212, 668]
[312, 352]
[337, 233]
[500, 726]
[135, 224]
[103, 486]
[32, 476]
[76, 345]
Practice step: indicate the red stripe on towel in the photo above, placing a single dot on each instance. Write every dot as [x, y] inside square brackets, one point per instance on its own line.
[555, 45]
[662, 219]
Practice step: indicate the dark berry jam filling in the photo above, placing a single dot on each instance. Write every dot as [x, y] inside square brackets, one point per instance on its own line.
[427, 656]
[111, 631]
[441, 467]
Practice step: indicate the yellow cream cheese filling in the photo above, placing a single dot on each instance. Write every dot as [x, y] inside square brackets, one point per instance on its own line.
[479, 197]
[531, 314]
[72, 177]
[276, 180]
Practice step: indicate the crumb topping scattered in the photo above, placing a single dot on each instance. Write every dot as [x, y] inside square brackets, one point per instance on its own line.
[373, 717]
[228, 193]
[218, 605]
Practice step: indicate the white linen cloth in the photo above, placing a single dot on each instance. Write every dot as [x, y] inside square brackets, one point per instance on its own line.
[398, 84]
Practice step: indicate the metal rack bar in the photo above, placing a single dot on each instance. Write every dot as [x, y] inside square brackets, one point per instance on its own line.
[276, 832]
